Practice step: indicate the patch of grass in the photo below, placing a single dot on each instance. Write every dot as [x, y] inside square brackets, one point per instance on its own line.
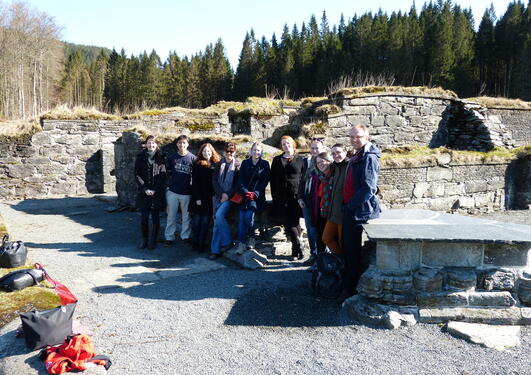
[195, 124]
[327, 109]
[63, 112]
[308, 102]
[491, 102]
[17, 129]
[354, 92]
[255, 106]
[33, 297]
[415, 156]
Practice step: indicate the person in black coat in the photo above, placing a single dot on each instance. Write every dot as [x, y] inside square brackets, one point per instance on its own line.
[202, 194]
[286, 172]
[252, 181]
[150, 175]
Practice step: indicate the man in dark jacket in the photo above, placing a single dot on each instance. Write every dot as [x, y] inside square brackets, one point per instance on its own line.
[360, 204]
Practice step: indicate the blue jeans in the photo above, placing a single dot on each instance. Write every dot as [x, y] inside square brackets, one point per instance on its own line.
[221, 231]
[246, 225]
[200, 228]
[312, 232]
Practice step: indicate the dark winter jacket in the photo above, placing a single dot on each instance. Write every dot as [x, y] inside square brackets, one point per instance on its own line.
[304, 191]
[285, 186]
[362, 177]
[151, 177]
[335, 183]
[253, 178]
[202, 189]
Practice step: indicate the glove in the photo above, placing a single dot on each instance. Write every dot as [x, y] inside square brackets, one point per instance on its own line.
[249, 196]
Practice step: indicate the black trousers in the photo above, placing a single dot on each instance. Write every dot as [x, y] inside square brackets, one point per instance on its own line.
[356, 262]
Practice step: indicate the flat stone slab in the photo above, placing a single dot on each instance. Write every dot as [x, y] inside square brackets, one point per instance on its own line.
[497, 337]
[504, 316]
[432, 226]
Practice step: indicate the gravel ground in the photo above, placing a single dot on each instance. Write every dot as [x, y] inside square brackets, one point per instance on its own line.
[217, 320]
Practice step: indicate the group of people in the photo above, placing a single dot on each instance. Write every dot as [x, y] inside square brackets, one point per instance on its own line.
[334, 193]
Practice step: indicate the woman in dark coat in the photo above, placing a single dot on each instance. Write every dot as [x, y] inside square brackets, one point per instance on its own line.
[202, 194]
[252, 181]
[286, 172]
[150, 175]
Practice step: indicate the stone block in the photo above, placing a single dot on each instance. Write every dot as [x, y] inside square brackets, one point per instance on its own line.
[41, 139]
[20, 170]
[475, 186]
[442, 204]
[483, 200]
[461, 279]
[442, 299]
[397, 255]
[370, 100]
[439, 174]
[507, 255]
[497, 337]
[415, 121]
[511, 315]
[428, 280]
[498, 280]
[493, 299]
[454, 189]
[377, 120]
[466, 202]
[420, 189]
[52, 150]
[358, 119]
[435, 190]
[360, 110]
[422, 137]
[524, 289]
[70, 140]
[92, 139]
[395, 121]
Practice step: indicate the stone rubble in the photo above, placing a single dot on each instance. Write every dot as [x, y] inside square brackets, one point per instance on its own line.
[497, 337]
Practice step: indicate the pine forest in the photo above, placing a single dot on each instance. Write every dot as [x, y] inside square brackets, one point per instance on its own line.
[437, 45]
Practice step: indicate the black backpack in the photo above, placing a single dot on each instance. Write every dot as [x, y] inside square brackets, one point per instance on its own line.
[21, 279]
[327, 280]
[12, 254]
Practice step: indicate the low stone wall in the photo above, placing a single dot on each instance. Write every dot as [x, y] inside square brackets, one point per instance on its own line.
[518, 121]
[445, 187]
[66, 158]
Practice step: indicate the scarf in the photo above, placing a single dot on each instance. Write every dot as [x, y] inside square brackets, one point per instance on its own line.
[226, 174]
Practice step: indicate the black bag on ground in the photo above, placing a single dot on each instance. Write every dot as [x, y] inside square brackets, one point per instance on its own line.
[47, 327]
[326, 276]
[21, 279]
[12, 254]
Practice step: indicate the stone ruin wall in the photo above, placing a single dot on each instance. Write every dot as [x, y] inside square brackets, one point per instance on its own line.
[79, 157]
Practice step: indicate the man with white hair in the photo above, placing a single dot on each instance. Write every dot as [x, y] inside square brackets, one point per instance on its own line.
[360, 204]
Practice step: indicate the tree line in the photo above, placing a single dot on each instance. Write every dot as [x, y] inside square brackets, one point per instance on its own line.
[436, 46]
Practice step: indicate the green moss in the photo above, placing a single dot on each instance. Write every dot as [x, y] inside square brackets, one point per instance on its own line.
[195, 124]
[355, 92]
[327, 109]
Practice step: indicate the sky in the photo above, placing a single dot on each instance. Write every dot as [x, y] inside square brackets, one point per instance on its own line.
[188, 26]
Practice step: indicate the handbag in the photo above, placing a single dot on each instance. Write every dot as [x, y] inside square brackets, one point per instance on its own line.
[12, 254]
[21, 279]
[47, 327]
[236, 198]
[65, 295]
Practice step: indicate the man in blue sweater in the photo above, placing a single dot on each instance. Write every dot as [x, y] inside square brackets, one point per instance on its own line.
[179, 193]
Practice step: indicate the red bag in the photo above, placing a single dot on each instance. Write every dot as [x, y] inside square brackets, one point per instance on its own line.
[236, 198]
[65, 295]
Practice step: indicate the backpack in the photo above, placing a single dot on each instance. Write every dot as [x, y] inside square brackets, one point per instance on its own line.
[20, 279]
[327, 280]
[12, 254]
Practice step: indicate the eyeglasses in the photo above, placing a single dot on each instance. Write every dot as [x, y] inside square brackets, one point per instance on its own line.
[315, 139]
[229, 152]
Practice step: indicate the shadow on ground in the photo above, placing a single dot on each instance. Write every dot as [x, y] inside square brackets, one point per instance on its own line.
[281, 298]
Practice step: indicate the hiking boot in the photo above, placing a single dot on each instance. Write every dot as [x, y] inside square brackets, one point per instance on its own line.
[240, 248]
[251, 243]
[214, 256]
[154, 236]
[168, 243]
[225, 248]
[145, 235]
[310, 261]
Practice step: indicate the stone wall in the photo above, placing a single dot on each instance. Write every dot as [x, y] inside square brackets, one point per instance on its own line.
[472, 187]
[66, 158]
[518, 121]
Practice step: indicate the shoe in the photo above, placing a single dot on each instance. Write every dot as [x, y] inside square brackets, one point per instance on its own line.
[187, 241]
[240, 248]
[251, 243]
[214, 256]
[154, 237]
[145, 235]
[168, 243]
[226, 247]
